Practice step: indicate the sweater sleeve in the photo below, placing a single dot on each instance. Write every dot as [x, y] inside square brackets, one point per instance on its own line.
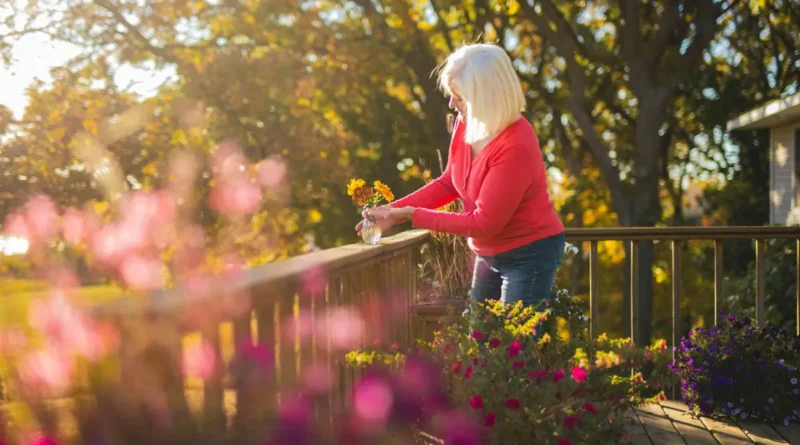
[501, 192]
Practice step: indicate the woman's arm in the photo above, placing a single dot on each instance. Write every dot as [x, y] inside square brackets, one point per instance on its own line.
[501, 192]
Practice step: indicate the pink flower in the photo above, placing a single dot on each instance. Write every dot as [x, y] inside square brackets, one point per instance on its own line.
[495, 342]
[518, 364]
[514, 348]
[476, 362]
[512, 403]
[468, 372]
[456, 367]
[200, 360]
[489, 420]
[590, 408]
[563, 442]
[578, 374]
[571, 422]
[476, 402]
[477, 335]
[372, 400]
[558, 375]
[538, 375]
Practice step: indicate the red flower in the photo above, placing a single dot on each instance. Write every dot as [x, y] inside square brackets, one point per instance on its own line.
[512, 404]
[495, 342]
[538, 375]
[590, 408]
[489, 421]
[477, 335]
[571, 422]
[476, 402]
[456, 368]
[514, 349]
[475, 361]
[563, 442]
[468, 372]
[558, 375]
[578, 374]
[518, 364]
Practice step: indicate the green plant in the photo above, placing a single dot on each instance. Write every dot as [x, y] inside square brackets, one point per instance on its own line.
[527, 383]
[715, 364]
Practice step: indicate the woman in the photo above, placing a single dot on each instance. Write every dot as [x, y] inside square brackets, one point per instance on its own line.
[496, 168]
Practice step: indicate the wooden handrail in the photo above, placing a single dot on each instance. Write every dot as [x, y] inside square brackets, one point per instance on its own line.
[684, 233]
[280, 274]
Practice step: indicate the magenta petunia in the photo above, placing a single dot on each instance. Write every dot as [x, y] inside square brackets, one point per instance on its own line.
[558, 375]
[476, 402]
[477, 335]
[514, 348]
[518, 364]
[590, 408]
[468, 372]
[512, 403]
[456, 367]
[571, 422]
[489, 420]
[494, 343]
[579, 374]
[563, 442]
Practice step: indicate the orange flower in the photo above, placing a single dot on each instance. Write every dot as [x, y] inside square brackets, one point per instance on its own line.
[384, 191]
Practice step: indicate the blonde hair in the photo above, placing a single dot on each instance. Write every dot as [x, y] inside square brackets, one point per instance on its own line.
[482, 74]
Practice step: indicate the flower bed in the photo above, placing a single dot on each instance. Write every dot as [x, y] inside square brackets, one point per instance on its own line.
[717, 364]
[520, 382]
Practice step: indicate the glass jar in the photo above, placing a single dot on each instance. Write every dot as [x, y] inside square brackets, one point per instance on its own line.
[370, 231]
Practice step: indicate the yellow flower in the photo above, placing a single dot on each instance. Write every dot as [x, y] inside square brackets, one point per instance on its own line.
[354, 185]
[385, 191]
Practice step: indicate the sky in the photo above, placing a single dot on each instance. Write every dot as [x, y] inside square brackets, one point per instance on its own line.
[33, 58]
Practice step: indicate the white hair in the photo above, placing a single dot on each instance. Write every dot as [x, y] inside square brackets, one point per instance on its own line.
[482, 74]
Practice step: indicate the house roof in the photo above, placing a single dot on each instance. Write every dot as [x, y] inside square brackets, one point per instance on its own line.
[773, 114]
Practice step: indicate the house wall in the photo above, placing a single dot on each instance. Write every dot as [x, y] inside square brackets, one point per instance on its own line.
[782, 176]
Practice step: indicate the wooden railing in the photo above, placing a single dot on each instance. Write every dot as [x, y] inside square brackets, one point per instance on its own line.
[379, 281]
[369, 277]
[676, 236]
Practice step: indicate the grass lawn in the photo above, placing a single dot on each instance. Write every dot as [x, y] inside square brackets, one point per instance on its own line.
[16, 296]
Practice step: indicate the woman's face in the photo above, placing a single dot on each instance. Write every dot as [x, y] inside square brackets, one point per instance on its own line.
[457, 103]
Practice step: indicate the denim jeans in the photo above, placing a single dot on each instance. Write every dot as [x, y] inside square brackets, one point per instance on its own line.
[523, 274]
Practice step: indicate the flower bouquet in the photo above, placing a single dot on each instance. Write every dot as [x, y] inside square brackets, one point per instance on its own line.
[368, 197]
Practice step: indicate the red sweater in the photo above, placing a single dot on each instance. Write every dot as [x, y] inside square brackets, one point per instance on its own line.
[504, 191]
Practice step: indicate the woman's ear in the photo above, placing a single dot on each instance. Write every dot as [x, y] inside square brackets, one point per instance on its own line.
[451, 122]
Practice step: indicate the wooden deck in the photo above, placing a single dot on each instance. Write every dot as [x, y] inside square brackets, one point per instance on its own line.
[670, 424]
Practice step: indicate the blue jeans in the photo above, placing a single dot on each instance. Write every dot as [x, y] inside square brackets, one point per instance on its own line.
[523, 274]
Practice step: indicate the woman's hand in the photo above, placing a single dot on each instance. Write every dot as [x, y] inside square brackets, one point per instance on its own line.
[386, 216]
[390, 214]
[385, 224]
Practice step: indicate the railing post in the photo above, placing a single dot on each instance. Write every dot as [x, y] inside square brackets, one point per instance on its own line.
[676, 303]
[594, 281]
[761, 285]
[676, 294]
[718, 279]
[635, 291]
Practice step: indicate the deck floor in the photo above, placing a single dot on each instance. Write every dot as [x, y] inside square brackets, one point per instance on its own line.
[670, 423]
